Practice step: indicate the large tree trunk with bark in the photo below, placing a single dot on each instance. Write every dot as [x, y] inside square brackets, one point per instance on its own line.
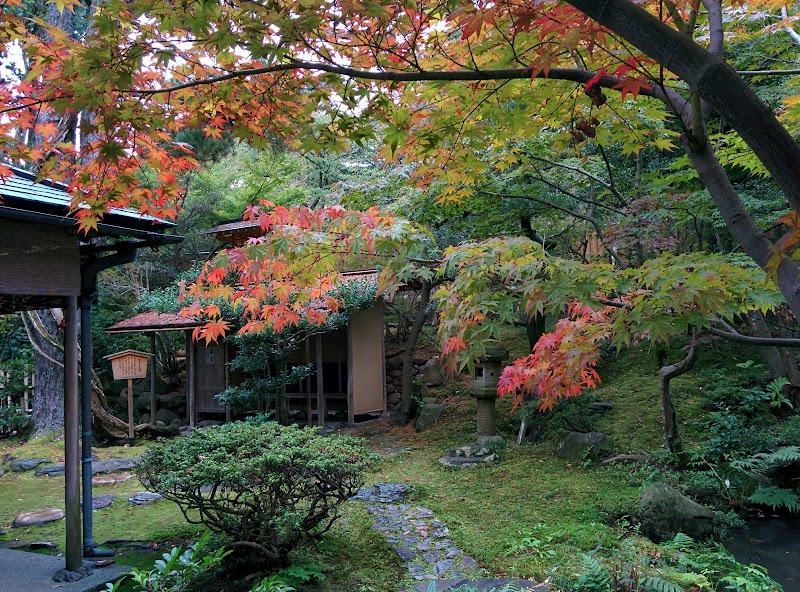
[46, 339]
[728, 94]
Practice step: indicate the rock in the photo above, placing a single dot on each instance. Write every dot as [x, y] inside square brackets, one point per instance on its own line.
[173, 400]
[37, 517]
[65, 575]
[161, 424]
[112, 465]
[580, 446]
[102, 501]
[600, 407]
[207, 423]
[393, 398]
[27, 464]
[428, 416]
[430, 400]
[394, 363]
[420, 361]
[403, 553]
[467, 457]
[665, 512]
[145, 418]
[145, 497]
[166, 416]
[49, 545]
[111, 479]
[2, 472]
[389, 493]
[433, 375]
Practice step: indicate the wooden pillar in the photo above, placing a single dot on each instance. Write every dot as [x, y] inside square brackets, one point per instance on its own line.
[191, 371]
[153, 369]
[226, 359]
[310, 414]
[351, 416]
[71, 458]
[320, 393]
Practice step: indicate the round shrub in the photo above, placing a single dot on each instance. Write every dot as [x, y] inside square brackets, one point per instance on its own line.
[266, 486]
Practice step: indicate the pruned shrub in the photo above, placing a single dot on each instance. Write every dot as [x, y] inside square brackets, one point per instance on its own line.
[265, 486]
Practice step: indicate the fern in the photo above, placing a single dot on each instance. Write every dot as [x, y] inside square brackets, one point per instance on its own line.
[776, 498]
[660, 585]
[681, 542]
[764, 463]
[595, 576]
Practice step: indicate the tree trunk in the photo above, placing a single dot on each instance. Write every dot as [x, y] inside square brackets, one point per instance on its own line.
[772, 355]
[46, 339]
[406, 393]
[672, 436]
[722, 88]
[534, 328]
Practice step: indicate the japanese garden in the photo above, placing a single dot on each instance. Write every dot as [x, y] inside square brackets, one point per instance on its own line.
[399, 295]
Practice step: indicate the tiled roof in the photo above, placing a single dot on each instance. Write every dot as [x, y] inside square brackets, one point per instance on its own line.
[154, 321]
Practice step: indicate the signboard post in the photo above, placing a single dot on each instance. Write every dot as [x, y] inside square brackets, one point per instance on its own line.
[127, 365]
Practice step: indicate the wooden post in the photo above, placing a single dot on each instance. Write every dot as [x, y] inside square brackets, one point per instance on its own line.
[130, 410]
[71, 419]
[190, 373]
[320, 392]
[226, 360]
[351, 410]
[153, 369]
[310, 417]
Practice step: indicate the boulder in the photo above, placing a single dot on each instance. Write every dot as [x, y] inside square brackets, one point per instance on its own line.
[579, 446]
[166, 416]
[665, 512]
[428, 416]
[27, 464]
[600, 407]
[393, 397]
[37, 517]
[173, 400]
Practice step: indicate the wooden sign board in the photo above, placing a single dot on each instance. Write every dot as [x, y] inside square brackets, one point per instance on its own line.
[129, 364]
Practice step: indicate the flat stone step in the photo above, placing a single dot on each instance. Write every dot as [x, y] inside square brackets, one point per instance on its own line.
[481, 585]
[112, 465]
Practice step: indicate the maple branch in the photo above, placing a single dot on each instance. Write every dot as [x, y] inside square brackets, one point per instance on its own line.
[737, 337]
[585, 173]
[570, 74]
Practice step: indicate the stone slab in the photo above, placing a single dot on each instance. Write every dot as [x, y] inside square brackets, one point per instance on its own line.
[112, 465]
[37, 517]
[26, 464]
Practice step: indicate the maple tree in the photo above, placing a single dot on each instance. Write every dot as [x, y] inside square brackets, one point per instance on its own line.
[444, 83]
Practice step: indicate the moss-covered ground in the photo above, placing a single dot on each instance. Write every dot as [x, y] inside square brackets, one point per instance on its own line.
[521, 517]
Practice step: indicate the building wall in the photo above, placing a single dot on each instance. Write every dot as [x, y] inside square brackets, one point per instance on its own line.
[366, 351]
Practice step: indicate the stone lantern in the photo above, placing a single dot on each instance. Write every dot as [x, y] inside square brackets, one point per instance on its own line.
[484, 388]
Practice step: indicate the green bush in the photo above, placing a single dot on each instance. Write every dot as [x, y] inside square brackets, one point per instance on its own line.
[13, 420]
[265, 486]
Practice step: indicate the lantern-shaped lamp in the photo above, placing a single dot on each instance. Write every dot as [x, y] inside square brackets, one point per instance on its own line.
[484, 388]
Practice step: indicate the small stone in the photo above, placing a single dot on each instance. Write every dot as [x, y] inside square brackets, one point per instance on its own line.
[145, 497]
[445, 544]
[102, 501]
[453, 552]
[468, 562]
[424, 546]
[37, 517]
[44, 545]
[431, 557]
[2, 472]
[27, 464]
[64, 575]
[443, 566]
[424, 512]
[403, 553]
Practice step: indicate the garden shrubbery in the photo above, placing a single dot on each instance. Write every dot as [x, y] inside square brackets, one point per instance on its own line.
[265, 486]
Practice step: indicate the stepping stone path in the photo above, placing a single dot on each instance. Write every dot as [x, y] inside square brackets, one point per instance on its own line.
[415, 535]
[112, 465]
[26, 464]
[420, 540]
[37, 517]
[145, 497]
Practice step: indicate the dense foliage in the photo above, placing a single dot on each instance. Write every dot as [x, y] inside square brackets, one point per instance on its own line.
[265, 486]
